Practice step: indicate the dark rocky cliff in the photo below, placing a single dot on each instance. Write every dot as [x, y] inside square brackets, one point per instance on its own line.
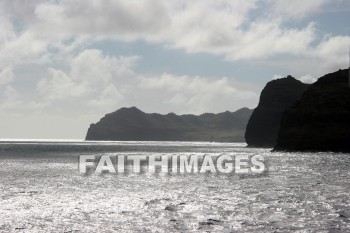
[131, 124]
[275, 98]
[320, 120]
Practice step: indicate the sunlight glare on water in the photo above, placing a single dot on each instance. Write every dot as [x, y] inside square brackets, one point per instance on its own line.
[42, 190]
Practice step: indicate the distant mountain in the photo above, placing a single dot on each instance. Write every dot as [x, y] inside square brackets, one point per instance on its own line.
[275, 98]
[131, 124]
[320, 120]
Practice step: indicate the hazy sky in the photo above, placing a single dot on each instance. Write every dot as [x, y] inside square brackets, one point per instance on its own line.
[66, 63]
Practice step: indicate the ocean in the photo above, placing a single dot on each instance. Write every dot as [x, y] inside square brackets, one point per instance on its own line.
[43, 191]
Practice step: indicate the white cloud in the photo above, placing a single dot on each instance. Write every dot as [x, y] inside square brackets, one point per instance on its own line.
[107, 83]
[7, 32]
[110, 98]
[277, 76]
[297, 8]
[201, 26]
[192, 84]
[217, 27]
[11, 93]
[265, 39]
[90, 65]
[19, 10]
[11, 99]
[27, 47]
[332, 53]
[6, 76]
[108, 17]
[14, 103]
[186, 94]
[90, 72]
[329, 55]
[307, 79]
[61, 86]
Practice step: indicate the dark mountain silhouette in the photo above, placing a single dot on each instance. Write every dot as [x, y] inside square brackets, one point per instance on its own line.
[275, 98]
[320, 120]
[131, 124]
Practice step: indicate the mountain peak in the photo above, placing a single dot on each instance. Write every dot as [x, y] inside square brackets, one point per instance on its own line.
[275, 98]
[319, 121]
[132, 109]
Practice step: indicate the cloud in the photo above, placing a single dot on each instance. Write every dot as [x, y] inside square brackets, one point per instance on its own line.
[188, 94]
[90, 72]
[91, 65]
[307, 79]
[106, 83]
[277, 76]
[297, 9]
[6, 76]
[131, 18]
[61, 86]
[333, 52]
[329, 55]
[265, 39]
[11, 99]
[221, 27]
[110, 98]
[13, 103]
[19, 10]
[11, 93]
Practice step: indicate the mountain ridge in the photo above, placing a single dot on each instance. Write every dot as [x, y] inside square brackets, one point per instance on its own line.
[134, 124]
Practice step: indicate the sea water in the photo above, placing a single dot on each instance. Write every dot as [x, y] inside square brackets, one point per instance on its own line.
[41, 190]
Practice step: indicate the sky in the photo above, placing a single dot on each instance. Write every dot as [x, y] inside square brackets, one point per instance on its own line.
[64, 64]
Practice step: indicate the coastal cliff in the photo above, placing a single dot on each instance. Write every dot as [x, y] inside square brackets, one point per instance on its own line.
[275, 98]
[320, 120]
[131, 124]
